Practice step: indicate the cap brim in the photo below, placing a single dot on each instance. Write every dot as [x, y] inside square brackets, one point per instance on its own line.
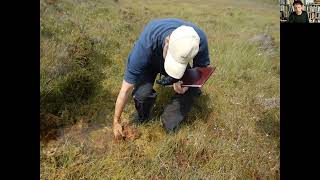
[173, 68]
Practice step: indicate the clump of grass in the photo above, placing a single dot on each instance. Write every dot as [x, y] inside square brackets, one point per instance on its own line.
[74, 80]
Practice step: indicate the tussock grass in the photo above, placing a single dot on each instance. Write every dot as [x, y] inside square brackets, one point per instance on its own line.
[232, 131]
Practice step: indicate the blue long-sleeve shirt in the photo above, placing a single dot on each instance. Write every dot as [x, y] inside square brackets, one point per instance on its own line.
[147, 51]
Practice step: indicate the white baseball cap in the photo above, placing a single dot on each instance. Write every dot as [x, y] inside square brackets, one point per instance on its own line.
[183, 47]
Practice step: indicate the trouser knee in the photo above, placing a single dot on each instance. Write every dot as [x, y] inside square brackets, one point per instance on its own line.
[176, 111]
[144, 98]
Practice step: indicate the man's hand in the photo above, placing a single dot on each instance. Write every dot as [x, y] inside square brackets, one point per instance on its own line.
[126, 88]
[117, 131]
[177, 88]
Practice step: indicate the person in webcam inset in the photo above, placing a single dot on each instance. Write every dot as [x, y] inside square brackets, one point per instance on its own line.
[298, 16]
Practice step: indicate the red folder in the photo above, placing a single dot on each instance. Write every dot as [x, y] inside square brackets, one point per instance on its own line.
[196, 77]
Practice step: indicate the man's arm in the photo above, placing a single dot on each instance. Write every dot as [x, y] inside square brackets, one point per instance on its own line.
[202, 59]
[137, 63]
[291, 17]
[124, 93]
[307, 18]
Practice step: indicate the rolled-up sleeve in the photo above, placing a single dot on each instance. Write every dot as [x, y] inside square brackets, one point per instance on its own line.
[137, 62]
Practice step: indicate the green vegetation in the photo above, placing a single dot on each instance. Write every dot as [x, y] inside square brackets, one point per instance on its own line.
[232, 131]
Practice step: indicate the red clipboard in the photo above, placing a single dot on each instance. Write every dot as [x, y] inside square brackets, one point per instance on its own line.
[196, 77]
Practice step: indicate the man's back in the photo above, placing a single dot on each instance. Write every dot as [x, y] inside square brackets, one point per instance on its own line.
[148, 50]
[156, 30]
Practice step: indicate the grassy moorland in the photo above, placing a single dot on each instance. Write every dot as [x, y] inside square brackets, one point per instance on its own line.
[231, 133]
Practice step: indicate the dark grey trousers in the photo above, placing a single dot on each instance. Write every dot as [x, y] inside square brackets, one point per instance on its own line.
[176, 111]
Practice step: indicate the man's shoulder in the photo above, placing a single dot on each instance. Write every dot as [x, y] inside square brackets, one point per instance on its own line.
[293, 13]
[169, 23]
